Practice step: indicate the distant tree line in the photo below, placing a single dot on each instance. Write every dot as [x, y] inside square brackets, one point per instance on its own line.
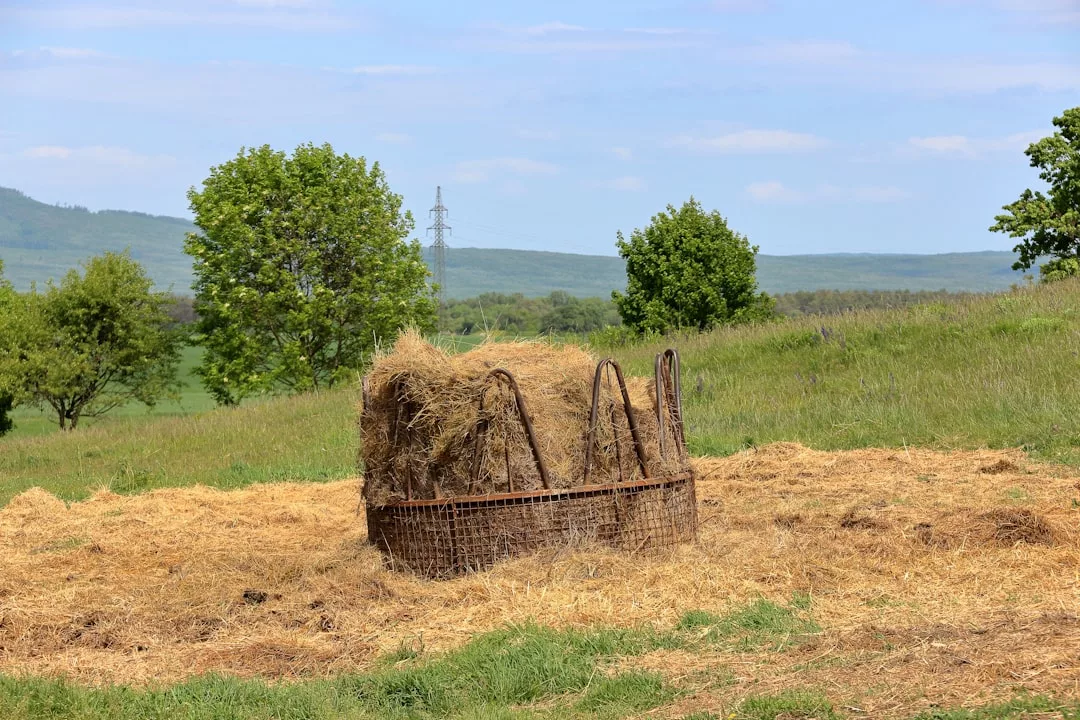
[836, 302]
[560, 312]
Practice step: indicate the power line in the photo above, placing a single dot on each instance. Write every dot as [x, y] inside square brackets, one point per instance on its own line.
[439, 245]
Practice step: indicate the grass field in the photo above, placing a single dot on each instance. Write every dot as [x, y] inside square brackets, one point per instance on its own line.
[1000, 371]
[822, 606]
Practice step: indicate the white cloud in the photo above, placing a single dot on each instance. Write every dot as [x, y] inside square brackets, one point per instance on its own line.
[70, 53]
[276, 3]
[657, 30]
[59, 53]
[545, 135]
[1047, 12]
[1020, 140]
[98, 155]
[623, 153]
[47, 151]
[964, 146]
[626, 183]
[474, 171]
[552, 27]
[881, 194]
[817, 52]
[982, 77]
[393, 70]
[771, 191]
[243, 93]
[774, 191]
[392, 138]
[560, 38]
[862, 194]
[751, 142]
[958, 144]
[740, 5]
[289, 15]
[1035, 12]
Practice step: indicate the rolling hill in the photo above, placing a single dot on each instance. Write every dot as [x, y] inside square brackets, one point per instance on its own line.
[40, 241]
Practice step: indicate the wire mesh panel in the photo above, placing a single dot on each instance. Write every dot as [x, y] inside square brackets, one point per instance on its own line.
[450, 536]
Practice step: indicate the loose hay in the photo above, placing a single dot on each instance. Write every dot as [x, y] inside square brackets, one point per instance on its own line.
[1001, 466]
[418, 428]
[906, 623]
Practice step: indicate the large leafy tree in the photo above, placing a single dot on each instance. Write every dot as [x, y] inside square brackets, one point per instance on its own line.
[688, 269]
[301, 269]
[96, 341]
[1048, 224]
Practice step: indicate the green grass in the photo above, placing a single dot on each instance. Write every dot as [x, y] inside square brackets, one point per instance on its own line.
[525, 671]
[519, 672]
[310, 437]
[999, 371]
[762, 623]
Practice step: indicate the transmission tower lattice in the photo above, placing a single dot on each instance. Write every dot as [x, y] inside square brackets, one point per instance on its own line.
[439, 245]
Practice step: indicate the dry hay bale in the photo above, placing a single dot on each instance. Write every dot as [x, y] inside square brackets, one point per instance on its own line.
[857, 519]
[1007, 526]
[419, 426]
[1002, 527]
[34, 503]
[999, 467]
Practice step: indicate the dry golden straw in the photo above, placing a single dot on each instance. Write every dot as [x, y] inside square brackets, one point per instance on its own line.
[938, 578]
[424, 405]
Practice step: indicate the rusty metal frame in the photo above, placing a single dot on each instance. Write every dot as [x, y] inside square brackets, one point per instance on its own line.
[552, 494]
[445, 536]
[454, 535]
[668, 386]
[590, 439]
[480, 432]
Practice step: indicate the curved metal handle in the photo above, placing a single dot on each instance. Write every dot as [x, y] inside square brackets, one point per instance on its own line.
[590, 440]
[481, 430]
[668, 387]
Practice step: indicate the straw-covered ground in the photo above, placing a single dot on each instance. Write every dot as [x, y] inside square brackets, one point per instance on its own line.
[910, 578]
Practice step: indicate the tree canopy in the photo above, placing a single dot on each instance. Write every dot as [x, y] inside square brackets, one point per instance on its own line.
[301, 269]
[688, 269]
[1048, 224]
[96, 341]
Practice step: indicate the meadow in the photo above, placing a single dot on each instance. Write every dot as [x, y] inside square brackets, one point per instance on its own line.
[791, 604]
[999, 371]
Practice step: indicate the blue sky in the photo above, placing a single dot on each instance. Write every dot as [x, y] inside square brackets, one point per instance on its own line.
[858, 126]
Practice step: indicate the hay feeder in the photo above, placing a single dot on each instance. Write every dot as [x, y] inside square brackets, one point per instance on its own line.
[442, 537]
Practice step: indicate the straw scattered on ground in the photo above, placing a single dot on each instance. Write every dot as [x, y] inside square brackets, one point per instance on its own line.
[934, 580]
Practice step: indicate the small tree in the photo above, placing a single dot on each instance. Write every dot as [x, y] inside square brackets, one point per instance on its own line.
[687, 269]
[1049, 224]
[97, 341]
[301, 268]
